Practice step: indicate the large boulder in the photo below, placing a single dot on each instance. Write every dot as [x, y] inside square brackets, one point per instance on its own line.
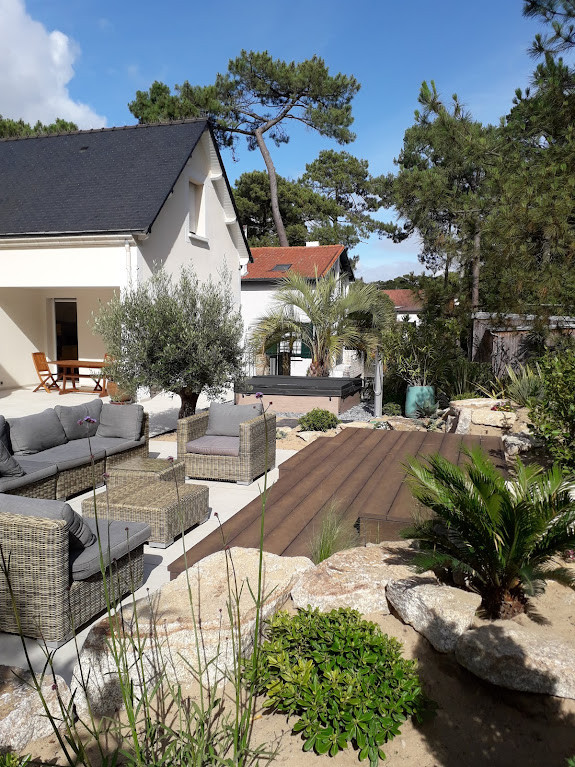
[22, 715]
[355, 578]
[500, 419]
[519, 658]
[194, 608]
[440, 613]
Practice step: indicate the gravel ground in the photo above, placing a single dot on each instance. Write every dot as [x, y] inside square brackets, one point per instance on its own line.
[363, 412]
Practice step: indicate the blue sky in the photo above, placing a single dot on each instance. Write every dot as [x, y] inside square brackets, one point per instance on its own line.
[84, 60]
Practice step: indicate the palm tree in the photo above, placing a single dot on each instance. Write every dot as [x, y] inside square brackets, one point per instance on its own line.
[323, 316]
[500, 536]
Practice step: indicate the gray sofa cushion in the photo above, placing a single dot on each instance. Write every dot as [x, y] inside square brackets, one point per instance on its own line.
[116, 538]
[33, 433]
[5, 434]
[123, 421]
[9, 466]
[34, 473]
[81, 534]
[214, 446]
[224, 419]
[70, 415]
[69, 456]
[115, 445]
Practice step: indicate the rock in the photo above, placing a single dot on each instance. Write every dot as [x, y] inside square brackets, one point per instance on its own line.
[516, 444]
[165, 620]
[475, 402]
[309, 436]
[463, 421]
[501, 419]
[357, 425]
[398, 423]
[440, 613]
[355, 578]
[513, 656]
[22, 715]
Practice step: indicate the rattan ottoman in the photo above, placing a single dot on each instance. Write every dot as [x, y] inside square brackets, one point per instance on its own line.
[157, 503]
[146, 469]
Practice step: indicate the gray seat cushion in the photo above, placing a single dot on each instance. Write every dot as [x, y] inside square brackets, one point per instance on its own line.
[116, 538]
[81, 534]
[115, 445]
[9, 466]
[224, 419]
[123, 421]
[34, 433]
[214, 446]
[70, 415]
[35, 471]
[69, 456]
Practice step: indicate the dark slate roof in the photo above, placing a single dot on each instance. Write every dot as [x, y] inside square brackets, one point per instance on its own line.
[109, 180]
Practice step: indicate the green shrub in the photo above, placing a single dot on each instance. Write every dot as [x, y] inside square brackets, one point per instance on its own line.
[553, 413]
[465, 395]
[318, 420]
[522, 385]
[391, 408]
[461, 376]
[13, 760]
[335, 533]
[344, 678]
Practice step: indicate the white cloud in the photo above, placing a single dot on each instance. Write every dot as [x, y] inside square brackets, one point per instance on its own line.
[35, 68]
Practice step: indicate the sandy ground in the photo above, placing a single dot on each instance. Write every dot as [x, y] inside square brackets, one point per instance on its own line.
[476, 724]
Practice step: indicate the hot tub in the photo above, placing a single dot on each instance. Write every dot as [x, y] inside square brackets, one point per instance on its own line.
[300, 394]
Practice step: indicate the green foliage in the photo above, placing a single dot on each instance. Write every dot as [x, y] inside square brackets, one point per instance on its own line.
[460, 376]
[19, 128]
[346, 681]
[499, 535]
[335, 533]
[391, 409]
[13, 760]
[465, 395]
[318, 420]
[334, 318]
[553, 414]
[523, 386]
[413, 353]
[182, 336]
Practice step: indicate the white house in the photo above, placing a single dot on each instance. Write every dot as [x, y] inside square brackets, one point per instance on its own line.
[83, 214]
[260, 282]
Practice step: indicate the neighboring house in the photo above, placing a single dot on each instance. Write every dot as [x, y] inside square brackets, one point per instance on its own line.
[260, 283]
[407, 304]
[84, 214]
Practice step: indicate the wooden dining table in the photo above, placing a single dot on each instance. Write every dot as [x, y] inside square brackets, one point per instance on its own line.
[70, 372]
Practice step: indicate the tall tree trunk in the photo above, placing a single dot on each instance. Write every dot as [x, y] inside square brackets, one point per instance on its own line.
[278, 222]
[476, 265]
[189, 400]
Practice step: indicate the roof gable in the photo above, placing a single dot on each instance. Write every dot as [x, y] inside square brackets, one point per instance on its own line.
[303, 260]
[110, 180]
[404, 299]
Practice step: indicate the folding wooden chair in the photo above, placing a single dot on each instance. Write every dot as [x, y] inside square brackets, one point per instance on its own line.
[45, 375]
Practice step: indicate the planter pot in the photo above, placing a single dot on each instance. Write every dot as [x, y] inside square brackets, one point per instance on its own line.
[416, 397]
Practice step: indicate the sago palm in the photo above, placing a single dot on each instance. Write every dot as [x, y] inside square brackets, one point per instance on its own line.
[500, 536]
[325, 317]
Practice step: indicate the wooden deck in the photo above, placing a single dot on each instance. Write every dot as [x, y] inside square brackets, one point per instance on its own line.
[361, 472]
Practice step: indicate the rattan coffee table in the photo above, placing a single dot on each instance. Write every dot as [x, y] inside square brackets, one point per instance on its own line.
[168, 511]
[146, 469]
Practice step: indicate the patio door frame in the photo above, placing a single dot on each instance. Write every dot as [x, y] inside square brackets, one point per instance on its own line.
[54, 335]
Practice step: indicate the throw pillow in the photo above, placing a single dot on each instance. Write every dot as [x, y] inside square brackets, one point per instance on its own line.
[34, 433]
[224, 419]
[69, 417]
[123, 421]
[9, 466]
[5, 433]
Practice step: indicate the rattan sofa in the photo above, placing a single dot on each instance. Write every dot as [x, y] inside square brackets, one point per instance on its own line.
[255, 452]
[54, 569]
[67, 469]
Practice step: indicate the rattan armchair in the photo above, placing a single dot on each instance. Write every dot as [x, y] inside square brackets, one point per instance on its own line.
[256, 454]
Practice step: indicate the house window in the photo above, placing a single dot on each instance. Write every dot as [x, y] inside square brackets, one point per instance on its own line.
[281, 268]
[196, 209]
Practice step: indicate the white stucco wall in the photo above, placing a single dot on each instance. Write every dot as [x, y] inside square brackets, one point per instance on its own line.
[170, 244]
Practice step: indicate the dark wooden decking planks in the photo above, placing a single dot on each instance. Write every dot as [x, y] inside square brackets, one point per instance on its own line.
[362, 471]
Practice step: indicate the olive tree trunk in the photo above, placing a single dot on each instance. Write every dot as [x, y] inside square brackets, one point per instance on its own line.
[189, 401]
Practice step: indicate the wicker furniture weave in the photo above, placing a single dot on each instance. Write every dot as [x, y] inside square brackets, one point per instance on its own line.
[156, 503]
[252, 460]
[146, 470]
[49, 607]
[69, 482]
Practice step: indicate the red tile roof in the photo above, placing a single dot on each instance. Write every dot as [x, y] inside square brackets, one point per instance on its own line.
[404, 299]
[303, 260]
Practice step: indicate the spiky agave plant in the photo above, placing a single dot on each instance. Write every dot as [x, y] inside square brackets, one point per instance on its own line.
[501, 536]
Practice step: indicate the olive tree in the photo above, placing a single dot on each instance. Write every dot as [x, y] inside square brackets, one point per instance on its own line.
[179, 336]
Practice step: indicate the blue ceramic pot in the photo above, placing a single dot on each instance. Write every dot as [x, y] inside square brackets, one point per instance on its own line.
[417, 397]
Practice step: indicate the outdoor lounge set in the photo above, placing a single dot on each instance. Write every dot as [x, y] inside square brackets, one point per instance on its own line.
[53, 554]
